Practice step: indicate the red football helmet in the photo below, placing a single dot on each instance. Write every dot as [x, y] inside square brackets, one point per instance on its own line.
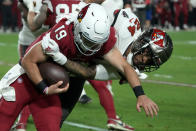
[158, 46]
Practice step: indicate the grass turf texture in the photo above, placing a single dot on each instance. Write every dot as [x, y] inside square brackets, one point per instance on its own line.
[177, 104]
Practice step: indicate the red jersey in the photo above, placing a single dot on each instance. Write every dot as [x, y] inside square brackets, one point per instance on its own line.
[58, 8]
[63, 35]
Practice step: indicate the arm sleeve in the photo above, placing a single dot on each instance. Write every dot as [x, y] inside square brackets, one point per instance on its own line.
[104, 72]
[51, 48]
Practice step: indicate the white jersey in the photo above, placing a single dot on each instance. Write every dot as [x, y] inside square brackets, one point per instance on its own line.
[25, 37]
[112, 5]
[128, 29]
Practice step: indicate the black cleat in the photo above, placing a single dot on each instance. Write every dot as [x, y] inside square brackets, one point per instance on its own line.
[85, 99]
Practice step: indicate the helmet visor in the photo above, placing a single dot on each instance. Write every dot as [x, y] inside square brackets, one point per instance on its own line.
[89, 45]
[145, 60]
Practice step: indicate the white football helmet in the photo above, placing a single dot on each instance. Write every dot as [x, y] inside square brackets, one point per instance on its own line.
[92, 29]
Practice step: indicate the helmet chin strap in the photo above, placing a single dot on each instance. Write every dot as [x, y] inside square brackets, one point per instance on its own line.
[84, 52]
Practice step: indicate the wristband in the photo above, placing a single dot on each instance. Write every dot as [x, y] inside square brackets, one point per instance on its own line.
[138, 90]
[41, 86]
[46, 91]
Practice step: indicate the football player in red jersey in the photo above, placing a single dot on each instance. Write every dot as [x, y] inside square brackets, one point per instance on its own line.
[50, 12]
[100, 86]
[63, 44]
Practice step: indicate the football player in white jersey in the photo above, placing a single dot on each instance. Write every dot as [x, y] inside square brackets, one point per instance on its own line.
[146, 51]
[131, 42]
[26, 36]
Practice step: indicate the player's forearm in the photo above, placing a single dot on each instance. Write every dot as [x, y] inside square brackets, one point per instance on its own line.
[80, 70]
[32, 71]
[131, 76]
[30, 60]
[35, 21]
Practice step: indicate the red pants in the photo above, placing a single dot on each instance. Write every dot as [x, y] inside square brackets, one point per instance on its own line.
[46, 110]
[179, 7]
[105, 97]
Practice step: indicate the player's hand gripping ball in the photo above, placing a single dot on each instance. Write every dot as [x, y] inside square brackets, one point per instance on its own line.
[52, 73]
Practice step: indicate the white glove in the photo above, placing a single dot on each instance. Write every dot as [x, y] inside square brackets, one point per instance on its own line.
[71, 17]
[34, 6]
[140, 74]
[51, 48]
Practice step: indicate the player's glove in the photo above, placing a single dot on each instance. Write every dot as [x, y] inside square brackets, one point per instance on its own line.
[34, 6]
[72, 17]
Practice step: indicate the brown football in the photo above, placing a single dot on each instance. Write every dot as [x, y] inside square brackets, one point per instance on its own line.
[52, 73]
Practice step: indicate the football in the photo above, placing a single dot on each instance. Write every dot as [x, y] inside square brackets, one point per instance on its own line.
[52, 73]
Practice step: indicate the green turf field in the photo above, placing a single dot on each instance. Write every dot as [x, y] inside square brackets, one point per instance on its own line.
[176, 98]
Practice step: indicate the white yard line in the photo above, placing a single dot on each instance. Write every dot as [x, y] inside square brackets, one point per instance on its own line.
[10, 44]
[191, 42]
[163, 76]
[185, 57]
[170, 83]
[6, 64]
[2, 44]
[79, 125]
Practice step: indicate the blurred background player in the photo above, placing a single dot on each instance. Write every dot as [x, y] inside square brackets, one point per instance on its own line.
[139, 8]
[192, 16]
[7, 16]
[181, 7]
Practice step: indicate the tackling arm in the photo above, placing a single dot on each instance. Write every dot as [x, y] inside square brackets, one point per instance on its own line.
[80, 70]
[115, 58]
